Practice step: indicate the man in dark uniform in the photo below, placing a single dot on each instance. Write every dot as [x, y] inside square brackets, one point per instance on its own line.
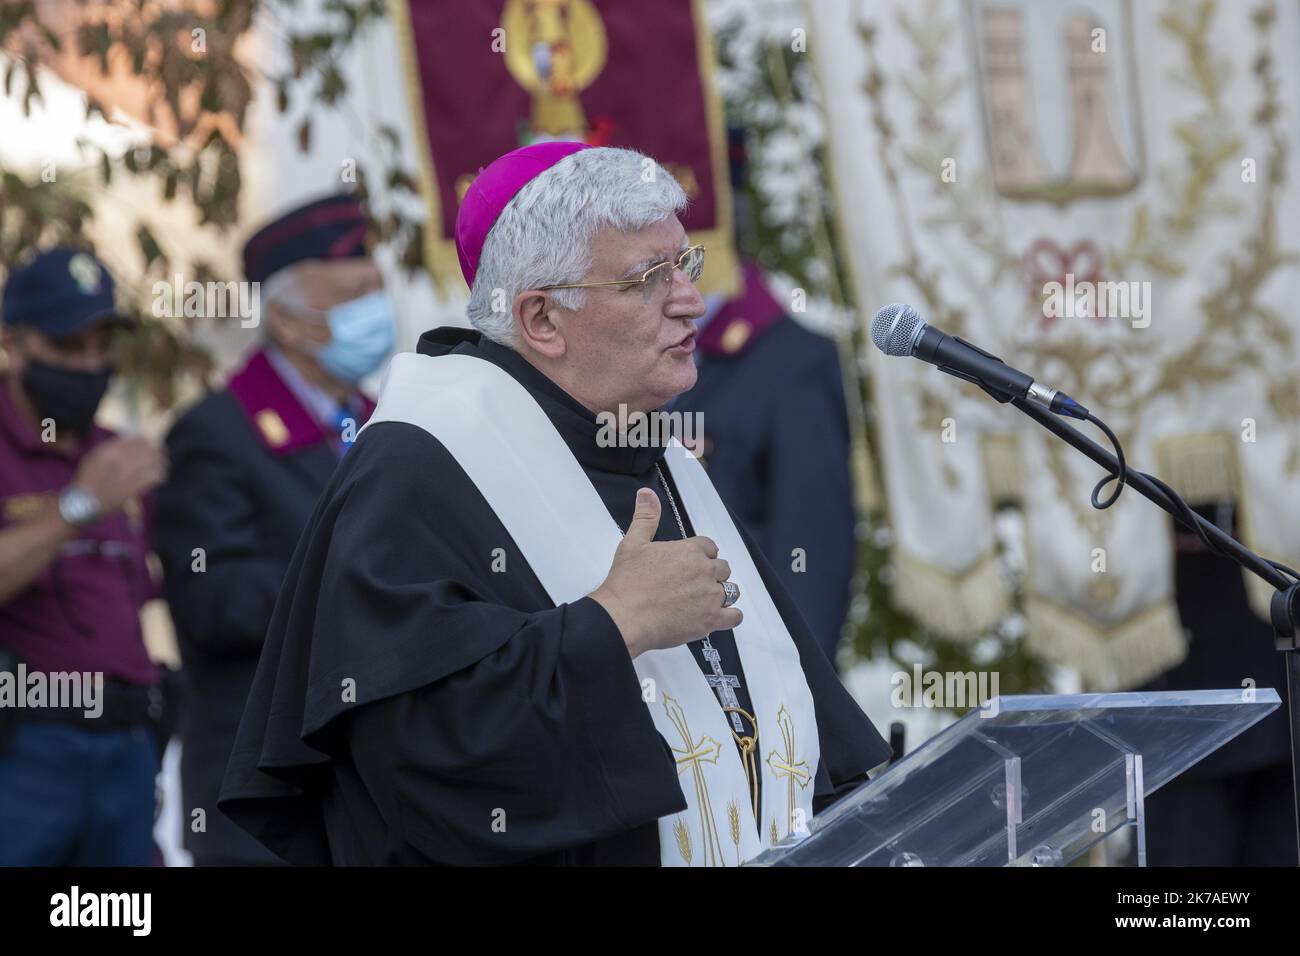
[776, 444]
[248, 464]
[76, 776]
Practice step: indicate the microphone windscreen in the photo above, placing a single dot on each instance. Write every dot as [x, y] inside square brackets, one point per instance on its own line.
[895, 328]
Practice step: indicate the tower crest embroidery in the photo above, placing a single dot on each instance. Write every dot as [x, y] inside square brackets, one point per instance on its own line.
[690, 756]
[785, 766]
[1092, 95]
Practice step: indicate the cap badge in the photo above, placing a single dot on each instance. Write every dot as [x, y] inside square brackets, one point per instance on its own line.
[86, 273]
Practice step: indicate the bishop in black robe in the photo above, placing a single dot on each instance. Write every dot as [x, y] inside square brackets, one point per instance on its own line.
[414, 706]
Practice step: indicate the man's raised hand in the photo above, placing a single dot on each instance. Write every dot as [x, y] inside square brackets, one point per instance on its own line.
[121, 468]
[664, 593]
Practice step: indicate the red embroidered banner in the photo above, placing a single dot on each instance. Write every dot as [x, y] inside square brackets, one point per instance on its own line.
[489, 76]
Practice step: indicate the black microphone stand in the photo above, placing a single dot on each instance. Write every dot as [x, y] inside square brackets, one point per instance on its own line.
[1284, 607]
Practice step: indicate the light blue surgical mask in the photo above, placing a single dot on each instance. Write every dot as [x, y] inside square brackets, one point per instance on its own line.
[361, 336]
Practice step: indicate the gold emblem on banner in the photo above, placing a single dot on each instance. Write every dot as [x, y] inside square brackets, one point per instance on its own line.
[554, 49]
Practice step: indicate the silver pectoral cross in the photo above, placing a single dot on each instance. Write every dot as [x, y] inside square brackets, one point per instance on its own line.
[724, 685]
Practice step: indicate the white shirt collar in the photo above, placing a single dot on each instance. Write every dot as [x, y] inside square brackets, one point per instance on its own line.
[320, 403]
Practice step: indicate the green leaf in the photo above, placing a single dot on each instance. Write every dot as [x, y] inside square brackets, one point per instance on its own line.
[332, 85]
[400, 179]
[149, 247]
[209, 99]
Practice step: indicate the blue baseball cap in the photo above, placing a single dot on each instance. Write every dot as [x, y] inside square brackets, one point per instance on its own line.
[59, 293]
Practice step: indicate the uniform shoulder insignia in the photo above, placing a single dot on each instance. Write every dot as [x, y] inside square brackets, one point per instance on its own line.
[735, 335]
[273, 428]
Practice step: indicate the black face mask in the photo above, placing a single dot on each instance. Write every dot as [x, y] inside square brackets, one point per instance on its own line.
[69, 397]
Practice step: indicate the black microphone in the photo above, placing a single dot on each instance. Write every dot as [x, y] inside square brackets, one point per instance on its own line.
[898, 329]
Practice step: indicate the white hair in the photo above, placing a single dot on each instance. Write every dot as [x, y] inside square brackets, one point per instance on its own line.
[543, 235]
[282, 287]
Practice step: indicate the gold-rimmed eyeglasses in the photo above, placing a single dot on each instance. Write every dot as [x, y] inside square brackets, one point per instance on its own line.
[653, 280]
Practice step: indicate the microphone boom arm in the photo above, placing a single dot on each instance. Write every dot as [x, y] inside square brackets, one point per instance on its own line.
[1144, 486]
[1285, 605]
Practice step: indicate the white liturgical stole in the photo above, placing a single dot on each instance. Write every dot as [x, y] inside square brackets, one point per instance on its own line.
[512, 453]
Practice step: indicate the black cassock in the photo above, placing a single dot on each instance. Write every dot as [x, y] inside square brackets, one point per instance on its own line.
[413, 705]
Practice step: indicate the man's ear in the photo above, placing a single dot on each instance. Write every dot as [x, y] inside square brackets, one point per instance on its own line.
[534, 314]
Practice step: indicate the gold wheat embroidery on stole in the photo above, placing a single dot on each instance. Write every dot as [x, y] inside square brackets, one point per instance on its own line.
[683, 834]
[691, 756]
[733, 824]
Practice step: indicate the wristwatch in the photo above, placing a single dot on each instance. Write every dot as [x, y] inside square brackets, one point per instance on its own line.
[78, 506]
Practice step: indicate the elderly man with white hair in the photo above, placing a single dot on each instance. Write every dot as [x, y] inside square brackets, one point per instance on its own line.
[247, 463]
[515, 634]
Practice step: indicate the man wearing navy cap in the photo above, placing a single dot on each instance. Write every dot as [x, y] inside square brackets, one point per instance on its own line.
[76, 775]
[248, 462]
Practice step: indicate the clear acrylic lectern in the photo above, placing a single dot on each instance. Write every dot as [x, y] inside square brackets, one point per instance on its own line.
[1025, 781]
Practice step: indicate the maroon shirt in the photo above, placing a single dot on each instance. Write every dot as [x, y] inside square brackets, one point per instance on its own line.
[82, 613]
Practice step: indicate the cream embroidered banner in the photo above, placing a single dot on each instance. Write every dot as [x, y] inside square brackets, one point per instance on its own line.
[1105, 194]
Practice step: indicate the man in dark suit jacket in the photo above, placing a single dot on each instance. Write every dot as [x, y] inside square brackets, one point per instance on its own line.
[248, 462]
[776, 444]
